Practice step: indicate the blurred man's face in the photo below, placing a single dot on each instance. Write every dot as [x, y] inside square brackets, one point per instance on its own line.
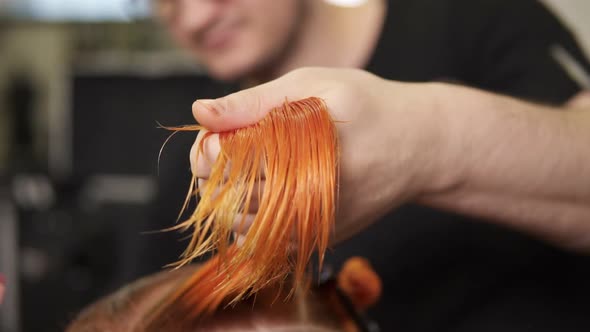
[232, 38]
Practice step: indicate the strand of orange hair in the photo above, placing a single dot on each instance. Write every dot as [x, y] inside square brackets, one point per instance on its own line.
[296, 148]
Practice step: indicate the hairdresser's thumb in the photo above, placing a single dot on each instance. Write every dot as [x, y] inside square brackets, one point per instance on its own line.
[234, 111]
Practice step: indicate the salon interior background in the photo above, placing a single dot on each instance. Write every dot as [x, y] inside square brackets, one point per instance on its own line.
[76, 79]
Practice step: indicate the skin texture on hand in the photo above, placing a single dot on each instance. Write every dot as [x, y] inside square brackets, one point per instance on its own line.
[380, 166]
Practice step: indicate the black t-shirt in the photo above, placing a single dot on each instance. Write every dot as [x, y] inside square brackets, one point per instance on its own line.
[441, 271]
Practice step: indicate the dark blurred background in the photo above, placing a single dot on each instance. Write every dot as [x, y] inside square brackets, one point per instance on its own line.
[82, 84]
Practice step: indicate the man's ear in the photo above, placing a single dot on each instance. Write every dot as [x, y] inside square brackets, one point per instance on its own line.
[360, 283]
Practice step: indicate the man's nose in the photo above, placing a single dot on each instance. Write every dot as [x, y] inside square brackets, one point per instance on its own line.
[195, 15]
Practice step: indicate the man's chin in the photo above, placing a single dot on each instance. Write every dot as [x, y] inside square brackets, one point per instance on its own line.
[240, 70]
[228, 73]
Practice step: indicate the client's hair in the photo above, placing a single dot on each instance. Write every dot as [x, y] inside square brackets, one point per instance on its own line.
[128, 309]
[320, 309]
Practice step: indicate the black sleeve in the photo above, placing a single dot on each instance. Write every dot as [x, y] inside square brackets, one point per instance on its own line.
[509, 46]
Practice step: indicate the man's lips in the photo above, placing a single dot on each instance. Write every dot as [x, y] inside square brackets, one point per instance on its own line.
[218, 37]
[216, 41]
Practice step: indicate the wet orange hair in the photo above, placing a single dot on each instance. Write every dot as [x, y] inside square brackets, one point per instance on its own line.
[326, 307]
[295, 150]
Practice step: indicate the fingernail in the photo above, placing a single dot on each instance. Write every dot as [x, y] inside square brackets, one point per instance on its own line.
[240, 239]
[210, 105]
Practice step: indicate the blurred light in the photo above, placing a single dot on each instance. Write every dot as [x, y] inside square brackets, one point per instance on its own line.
[347, 3]
[79, 10]
[33, 191]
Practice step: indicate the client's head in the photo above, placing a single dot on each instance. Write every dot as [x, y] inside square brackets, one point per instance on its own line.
[321, 309]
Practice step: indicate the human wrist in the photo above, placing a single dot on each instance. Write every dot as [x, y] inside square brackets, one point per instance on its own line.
[428, 107]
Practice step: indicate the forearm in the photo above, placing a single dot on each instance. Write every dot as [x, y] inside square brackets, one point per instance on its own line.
[523, 165]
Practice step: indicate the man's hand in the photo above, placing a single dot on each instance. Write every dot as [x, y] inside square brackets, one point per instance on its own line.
[388, 149]
[522, 165]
